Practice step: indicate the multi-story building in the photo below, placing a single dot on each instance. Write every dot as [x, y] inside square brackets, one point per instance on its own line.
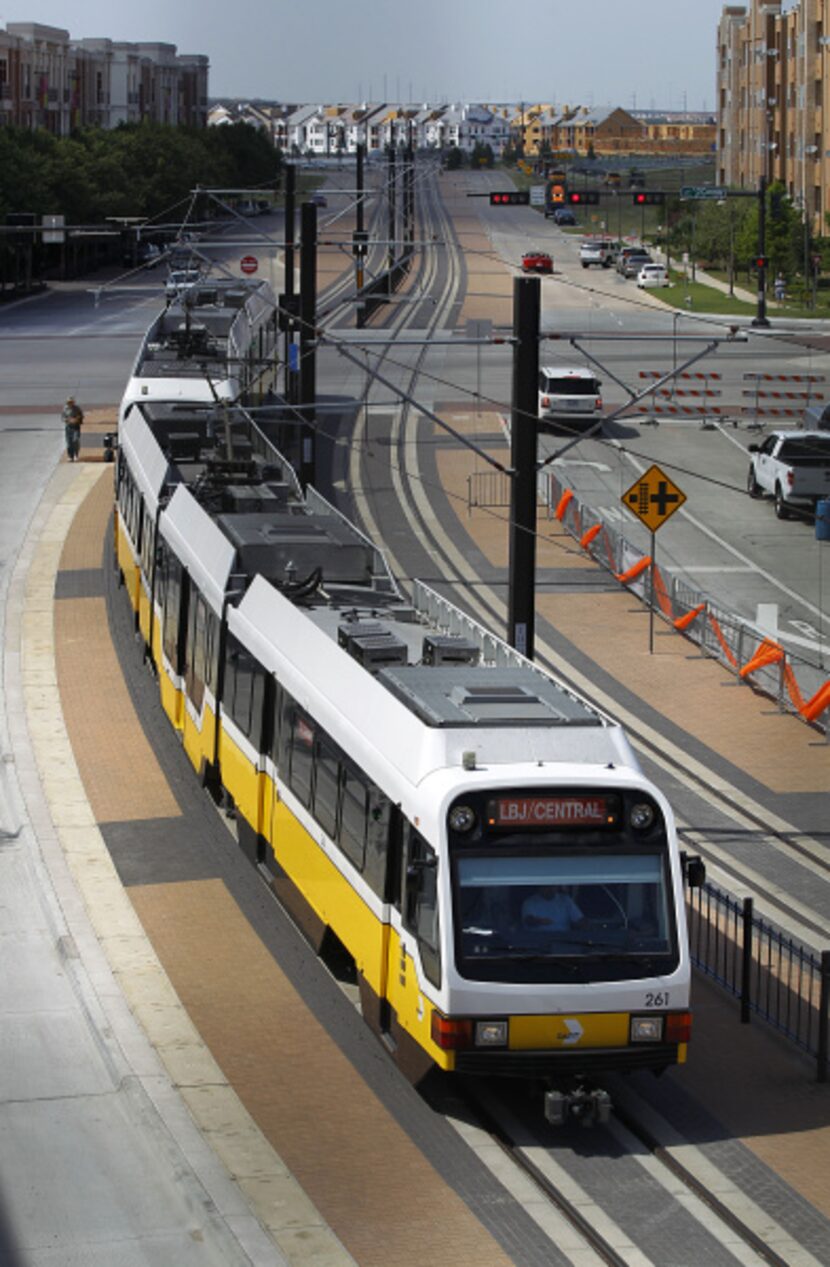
[49, 81]
[774, 100]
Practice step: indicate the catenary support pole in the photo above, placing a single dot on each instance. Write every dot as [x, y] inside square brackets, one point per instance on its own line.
[288, 281]
[523, 436]
[761, 318]
[308, 347]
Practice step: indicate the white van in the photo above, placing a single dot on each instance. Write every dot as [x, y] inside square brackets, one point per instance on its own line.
[569, 394]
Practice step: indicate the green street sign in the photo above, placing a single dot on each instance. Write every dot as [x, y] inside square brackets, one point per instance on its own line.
[702, 191]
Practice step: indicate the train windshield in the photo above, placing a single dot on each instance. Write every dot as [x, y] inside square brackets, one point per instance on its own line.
[563, 916]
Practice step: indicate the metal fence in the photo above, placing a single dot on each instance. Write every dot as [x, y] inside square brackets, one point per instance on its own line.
[773, 976]
[797, 685]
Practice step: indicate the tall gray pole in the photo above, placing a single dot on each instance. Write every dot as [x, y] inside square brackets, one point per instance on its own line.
[523, 437]
[288, 281]
[308, 354]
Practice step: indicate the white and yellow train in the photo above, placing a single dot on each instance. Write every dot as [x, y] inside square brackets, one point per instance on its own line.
[479, 839]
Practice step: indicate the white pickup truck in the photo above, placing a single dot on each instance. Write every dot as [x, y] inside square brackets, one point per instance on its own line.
[793, 467]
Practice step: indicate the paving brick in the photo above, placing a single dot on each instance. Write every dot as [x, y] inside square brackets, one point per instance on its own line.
[342, 1145]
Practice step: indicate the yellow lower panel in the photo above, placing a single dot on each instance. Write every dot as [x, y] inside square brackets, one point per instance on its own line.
[328, 892]
[198, 738]
[241, 778]
[171, 699]
[413, 1011]
[539, 1033]
[129, 568]
[682, 1053]
[144, 613]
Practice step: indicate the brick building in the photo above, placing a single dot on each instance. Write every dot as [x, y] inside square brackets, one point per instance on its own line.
[774, 100]
[48, 80]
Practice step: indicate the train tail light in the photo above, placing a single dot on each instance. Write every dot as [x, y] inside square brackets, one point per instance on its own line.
[598, 403]
[545, 401]
[678, 1027]
[449, 1034]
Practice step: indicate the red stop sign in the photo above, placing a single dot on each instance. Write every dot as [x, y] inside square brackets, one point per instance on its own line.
[249, 263]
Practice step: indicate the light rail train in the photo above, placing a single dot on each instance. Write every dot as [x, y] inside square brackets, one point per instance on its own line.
[479, 838]
[214, 341]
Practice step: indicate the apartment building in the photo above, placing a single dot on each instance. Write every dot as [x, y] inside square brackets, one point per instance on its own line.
[774, 100]
[48, 80]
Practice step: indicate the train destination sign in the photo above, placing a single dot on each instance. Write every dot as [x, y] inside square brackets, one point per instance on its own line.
[653, 498]
[571, 810]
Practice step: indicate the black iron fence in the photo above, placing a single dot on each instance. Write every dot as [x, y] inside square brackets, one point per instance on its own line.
[771, 974]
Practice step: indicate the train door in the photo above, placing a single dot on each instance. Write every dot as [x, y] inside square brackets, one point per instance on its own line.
[414, 945]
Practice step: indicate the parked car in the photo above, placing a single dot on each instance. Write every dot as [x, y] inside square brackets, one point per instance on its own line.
[652, 275]
[537, 262]
[564, 215]
[631, 267]
[600, 251]
[569, 395]
[792, 466]
[318, 199]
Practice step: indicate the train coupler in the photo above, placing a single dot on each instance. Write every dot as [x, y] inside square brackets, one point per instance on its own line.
[589, 1106]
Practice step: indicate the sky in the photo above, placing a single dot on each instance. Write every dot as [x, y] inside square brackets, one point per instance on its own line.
[648, 54]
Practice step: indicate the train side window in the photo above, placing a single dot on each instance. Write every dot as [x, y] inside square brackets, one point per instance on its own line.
[171, 616]
[212, 653]
[326, 784]
[420, 908]
[148, 544]
[301, 755]
[275, 731]
[353, 816]
[244, 691]
[195, 663]
[378, 820]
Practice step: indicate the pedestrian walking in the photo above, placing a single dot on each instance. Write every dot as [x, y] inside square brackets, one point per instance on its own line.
[73, 418]
[780, 288]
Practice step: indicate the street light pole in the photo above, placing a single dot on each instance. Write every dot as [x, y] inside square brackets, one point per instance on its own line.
[761, 319]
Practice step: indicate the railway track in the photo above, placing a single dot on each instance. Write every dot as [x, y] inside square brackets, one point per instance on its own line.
[628, 1197]
[741, 813]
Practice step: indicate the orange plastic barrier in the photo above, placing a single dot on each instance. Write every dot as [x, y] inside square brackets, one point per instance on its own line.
[634, 571]
[793, 689]
[725, 647]
[588, 537]
[769, 652]
[819, 702]
[683, 622]
[662, 593]
[564, 502]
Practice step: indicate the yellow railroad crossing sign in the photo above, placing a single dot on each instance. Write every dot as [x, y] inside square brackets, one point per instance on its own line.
[653, 498]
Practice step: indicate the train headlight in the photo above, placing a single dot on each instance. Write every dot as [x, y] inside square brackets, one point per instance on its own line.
[646, 1029]
[491, 1033]
[641, 816]
[462, 818]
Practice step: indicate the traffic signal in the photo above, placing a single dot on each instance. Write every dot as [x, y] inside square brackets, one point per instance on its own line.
[512, 198]
[584, 197]
[648, 198]
[360, 243]
[760, 262]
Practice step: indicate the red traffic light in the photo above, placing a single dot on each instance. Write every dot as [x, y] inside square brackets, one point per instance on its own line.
[511, 198]
[586, 197]
[649, 198]
[760, 261]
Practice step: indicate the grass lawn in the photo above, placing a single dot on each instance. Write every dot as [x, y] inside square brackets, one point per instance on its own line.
[691, 296]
